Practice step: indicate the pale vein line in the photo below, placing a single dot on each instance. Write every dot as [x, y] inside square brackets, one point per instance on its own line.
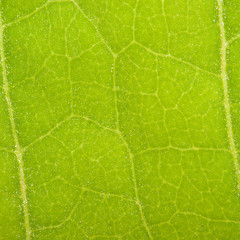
[18, 151]
[166, 24]
[182, 149]
[131, 156]
[233, 39]
[18, 20]
[47, 133]
[65, 220]
[6, 150]
[115, 93]
[177, 59]
[95, 27]
[38, 9]
[225, 92]
[120, 134]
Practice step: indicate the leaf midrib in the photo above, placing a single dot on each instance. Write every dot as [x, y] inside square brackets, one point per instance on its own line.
[18, 151]
[227, 108]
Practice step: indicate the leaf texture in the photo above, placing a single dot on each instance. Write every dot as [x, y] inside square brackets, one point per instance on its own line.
[119, 119]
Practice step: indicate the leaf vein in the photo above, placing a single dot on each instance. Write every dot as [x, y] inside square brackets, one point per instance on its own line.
[225, 93]
[18, 150]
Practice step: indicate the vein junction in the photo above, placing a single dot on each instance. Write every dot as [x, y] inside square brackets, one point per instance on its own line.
[18, 150]
[225, 92]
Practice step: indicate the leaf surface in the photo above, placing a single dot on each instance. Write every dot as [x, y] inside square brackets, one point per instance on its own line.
[119, 119]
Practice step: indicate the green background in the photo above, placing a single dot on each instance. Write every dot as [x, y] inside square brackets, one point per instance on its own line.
[119, 119]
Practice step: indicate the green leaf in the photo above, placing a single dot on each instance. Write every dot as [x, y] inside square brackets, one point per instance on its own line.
[120, 119]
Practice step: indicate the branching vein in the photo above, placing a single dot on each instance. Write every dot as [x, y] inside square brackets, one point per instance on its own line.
[130, 155]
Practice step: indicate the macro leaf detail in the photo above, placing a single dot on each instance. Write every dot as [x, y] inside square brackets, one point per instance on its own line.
[119, 119]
